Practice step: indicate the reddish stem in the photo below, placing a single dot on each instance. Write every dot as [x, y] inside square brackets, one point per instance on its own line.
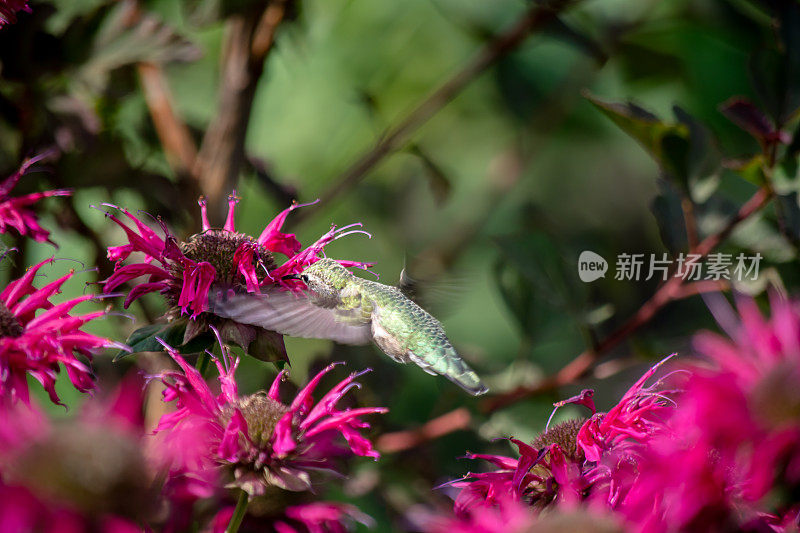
[403, 440]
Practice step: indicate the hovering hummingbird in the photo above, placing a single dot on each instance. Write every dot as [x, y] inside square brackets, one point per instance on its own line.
[345, 308]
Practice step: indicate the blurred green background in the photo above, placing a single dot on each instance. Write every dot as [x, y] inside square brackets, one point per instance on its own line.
[489, 203]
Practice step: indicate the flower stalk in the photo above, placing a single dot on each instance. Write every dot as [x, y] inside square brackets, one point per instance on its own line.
[238, 513]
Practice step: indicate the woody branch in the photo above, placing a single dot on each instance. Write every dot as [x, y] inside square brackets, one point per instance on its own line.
[213, 169]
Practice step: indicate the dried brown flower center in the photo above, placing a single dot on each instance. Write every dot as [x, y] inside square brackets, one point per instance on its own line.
[565, 434]
[262, 414]
[774, 397]
[9, 325]
[94, 469]
[218, 248]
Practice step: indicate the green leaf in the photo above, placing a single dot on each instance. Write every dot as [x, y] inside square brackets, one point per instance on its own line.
[702, 159]
[268, 346]
[774, 69]
[519, 296]
[199, 344]
[666, 209]
[639, 123]
[145, 339]
[174, 335]
[667, 143]
[751, 169]
[675, 158]
[564, 32]
[440, 184]
[788, 210]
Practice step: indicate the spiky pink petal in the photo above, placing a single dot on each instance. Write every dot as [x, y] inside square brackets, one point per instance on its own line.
[284, 243]
[231, 218]
[190, 281]
[204, 213]
[293, 447]
[46, 341]
[15, 212]
[197, 280]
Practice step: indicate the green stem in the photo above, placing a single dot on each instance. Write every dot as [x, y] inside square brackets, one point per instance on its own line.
[202, 363]
[238, 513]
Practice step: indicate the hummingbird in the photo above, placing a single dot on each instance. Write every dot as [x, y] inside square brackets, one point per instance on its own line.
[342, 307]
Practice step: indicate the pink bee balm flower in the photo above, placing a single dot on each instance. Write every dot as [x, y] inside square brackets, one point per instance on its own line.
[256, 442]
[572, 462]
[507, 515]
[15, 211]
[9, 10]
[39, 344]
[186, 272]
[313, 517]
[84, 474]
[731, 457]
[512, 516]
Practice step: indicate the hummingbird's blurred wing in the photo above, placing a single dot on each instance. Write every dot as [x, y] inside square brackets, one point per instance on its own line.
[292, 314]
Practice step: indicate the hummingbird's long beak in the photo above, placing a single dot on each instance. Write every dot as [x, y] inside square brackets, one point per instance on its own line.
[292, 276]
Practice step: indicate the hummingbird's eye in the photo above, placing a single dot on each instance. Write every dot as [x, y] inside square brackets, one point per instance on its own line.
[304, 277]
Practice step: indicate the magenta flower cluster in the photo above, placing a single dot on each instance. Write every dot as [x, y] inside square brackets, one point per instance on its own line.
[39, 344]
[718, 452]
[15, 211]
[202, 456]
[237, 258]
[732, 459]
[102, 471]
[9, 10]
[39, 461]
[256, 442]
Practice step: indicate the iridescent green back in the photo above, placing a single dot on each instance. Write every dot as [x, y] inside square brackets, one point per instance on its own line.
[421, 334]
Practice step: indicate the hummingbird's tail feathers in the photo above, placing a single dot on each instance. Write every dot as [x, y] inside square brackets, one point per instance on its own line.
[469, 381]
[450, 365]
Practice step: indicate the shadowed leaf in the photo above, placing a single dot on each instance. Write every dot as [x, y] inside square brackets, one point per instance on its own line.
[666, 208]
[664, 141]
[747, 116]
[145, 339]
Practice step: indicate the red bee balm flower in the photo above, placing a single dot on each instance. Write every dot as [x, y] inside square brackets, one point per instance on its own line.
[731, 460]
[574, 461]
[512, 516]
[87, 473]
[36, 344]
[322, 517]
[187, 269]
[15, 212]
[9, 10]
[256, 442]
[184, 272]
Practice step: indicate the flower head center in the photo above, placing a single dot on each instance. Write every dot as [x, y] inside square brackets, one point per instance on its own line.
[565, 434]
[9, 324]
[218, 247]
[262, 414]
[94, 469]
